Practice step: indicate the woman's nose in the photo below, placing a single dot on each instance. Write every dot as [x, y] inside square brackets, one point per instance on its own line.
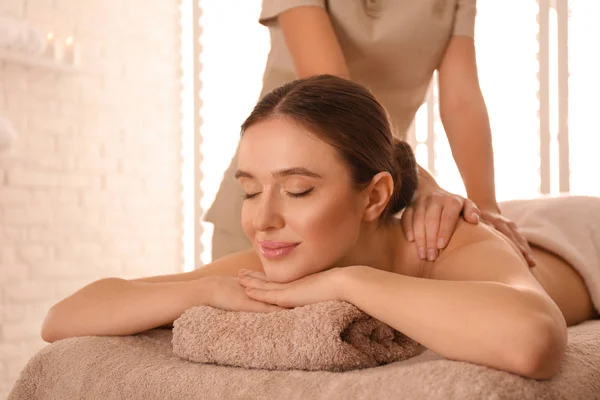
[267, 214]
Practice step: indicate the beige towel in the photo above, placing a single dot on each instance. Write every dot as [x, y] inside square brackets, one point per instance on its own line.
[568, 226]
[144, 367]
[328, 336]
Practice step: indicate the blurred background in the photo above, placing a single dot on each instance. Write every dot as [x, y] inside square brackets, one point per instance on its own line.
[118, 119]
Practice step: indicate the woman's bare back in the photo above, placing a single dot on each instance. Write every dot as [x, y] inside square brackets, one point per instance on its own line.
[564, 285]
[557, 277]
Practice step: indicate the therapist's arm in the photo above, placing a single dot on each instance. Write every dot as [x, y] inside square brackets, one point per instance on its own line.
[465, 118]
[466, 121]
[312, 42]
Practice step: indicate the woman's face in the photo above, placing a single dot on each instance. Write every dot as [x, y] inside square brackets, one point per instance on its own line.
[301, 211]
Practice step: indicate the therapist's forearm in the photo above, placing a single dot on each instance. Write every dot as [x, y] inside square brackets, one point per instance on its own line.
[468, 128]
[312, 42]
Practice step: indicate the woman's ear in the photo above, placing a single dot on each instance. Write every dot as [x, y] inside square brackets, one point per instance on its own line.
[378, 195]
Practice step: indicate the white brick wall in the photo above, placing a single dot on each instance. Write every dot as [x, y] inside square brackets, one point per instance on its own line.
[92, 187]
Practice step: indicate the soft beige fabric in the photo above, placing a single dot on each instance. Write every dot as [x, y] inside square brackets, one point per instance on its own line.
[391, 47]
[568, 226]
[225, 242]
[328, 336]
[144, 367]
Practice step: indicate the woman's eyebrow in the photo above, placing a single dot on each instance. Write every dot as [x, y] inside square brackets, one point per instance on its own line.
[296, 171]
[243, 174]
[281, 173]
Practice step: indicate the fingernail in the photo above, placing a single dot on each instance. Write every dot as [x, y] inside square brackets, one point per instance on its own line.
[441, 243]
[532, 258]
[431, 254]
[410, 237]
[421, 252]
[477, 218]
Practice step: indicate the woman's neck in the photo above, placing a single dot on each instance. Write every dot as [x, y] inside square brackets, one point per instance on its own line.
[385, 247]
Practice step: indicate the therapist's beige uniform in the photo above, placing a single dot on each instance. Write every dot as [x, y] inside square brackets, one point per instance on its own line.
[391, 46]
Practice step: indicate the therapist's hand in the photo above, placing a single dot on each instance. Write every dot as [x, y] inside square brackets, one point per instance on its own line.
[492, 217]
[431, 220]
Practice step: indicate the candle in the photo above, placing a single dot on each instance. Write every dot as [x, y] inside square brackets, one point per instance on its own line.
[71, 54]
[51, 46]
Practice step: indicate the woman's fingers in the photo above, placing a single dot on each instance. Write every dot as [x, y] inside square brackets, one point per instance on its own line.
[257, 305]
[272, 297]
[256, 280]
[253, 274]
[261, 293]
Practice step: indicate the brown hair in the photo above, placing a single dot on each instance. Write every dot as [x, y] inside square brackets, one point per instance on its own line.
[348, 117]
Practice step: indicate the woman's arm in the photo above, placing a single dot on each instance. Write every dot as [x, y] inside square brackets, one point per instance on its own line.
[483, 307]
[114, 306]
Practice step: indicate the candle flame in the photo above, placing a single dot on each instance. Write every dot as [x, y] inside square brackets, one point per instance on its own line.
[69, 41]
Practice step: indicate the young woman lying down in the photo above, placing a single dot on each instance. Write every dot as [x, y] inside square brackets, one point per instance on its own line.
[324, 180]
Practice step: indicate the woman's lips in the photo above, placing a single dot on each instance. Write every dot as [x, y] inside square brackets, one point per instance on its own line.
[273, 250]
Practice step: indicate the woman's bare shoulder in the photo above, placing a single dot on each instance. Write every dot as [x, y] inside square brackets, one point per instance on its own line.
[467, 234]
[480, 253]
[225, 266]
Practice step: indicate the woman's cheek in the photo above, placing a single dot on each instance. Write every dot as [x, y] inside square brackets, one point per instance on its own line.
[326, 226]
[246, 219]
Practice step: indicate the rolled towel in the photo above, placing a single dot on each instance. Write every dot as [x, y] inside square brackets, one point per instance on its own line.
[329, 336]
[20, 36]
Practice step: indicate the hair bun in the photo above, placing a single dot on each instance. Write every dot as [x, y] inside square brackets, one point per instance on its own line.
[406, 177]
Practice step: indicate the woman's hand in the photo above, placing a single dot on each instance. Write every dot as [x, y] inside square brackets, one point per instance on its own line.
[310, 289]
[431, 220]
[496, 220]
[227, 294]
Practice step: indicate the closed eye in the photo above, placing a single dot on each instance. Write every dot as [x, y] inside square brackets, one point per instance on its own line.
[301, 194]
[247, 196]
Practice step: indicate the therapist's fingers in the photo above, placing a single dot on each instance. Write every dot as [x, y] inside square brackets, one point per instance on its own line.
[448, 221]
[407, 223]
[419, 227]
[471, 212]
[433, 214]
[522, 243]
[510, 230]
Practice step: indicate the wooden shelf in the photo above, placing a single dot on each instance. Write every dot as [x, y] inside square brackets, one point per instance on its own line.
[36, 61]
